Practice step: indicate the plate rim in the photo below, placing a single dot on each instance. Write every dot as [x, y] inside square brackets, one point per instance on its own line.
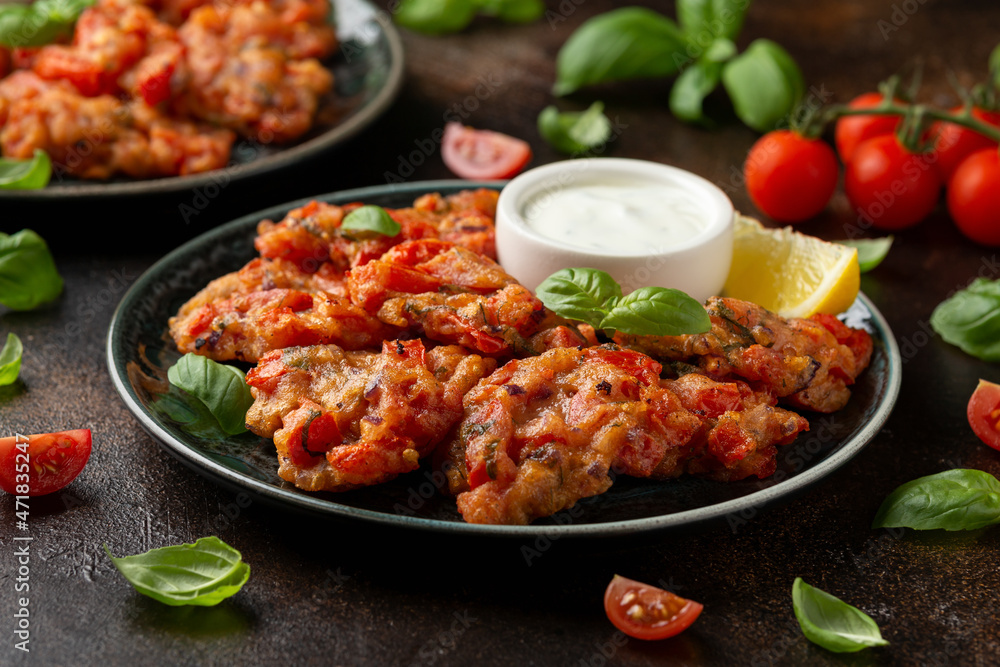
[289, 499]
[337, 134]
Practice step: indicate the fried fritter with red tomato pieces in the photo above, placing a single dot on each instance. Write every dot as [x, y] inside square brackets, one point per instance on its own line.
[803, 362]
[269, 304]
[541, 433]
[311, 235]
[341, 420]
[453, 295]
[250, 325]
[741, 430]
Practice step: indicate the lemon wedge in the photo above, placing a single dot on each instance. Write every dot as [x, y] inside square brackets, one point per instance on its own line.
[790, 273]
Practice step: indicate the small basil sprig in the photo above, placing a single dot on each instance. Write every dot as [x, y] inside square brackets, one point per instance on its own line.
[764, 83]
[970, 319]
[958, 499]
[10, 360]
[220, 387]
[593, 296]
[371, 219]
[437, 17]
[574, 132]
[871, 252]
[39, 23]
[28, 275]
[30, 174]
[203, 574]
[832, 623]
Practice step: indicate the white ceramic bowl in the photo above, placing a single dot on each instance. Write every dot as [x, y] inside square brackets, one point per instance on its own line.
[698, 265]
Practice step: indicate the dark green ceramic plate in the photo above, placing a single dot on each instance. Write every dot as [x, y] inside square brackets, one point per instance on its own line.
[140, 351]
[368, 72]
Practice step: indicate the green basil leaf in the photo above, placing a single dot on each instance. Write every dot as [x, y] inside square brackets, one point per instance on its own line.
[435, 17]
[204, 573]
[371, 219]
[764, 84]
[627, 43]
[30, 174]
[657, 311]
[832, 623]
[40, 23]
[719, 18]
[871, 252]
[691, 88]
[951, 500]
[970, 319]
[190, 414]
[221, 387]
[514, 11]
[574, 131]
[28, 276]
[10, 360]
[579, 294]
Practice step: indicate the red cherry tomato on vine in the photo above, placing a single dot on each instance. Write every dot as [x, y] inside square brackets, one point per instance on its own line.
[39, 464]
[851, 131]
[953, 143]
[984, 413]
[482, 154]
[789, 177]
[647, 612]
[974, 197]
[889, 185]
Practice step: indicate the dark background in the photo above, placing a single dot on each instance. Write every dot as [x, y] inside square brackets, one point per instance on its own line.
[323, 592]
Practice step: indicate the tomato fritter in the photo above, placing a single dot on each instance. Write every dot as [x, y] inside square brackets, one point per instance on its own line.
[341, 419]
[311, 235]
[132, 94]
[798, 360]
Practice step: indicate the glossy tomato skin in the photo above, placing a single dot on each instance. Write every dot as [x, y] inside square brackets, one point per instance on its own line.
[482, 154]
[789, 177]
[851, 131]
[647, 612]
[891, 186]
[43, 463]
[953, 143]
[984, 413]
[974, 197]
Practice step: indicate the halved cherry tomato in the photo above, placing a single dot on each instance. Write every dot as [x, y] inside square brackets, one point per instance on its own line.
[893, 187]
[974, 197]
[789, 177]
[482, 154]
[42, 463]
[984, 413]
[953, 143]
[647, 612]
[851, 131]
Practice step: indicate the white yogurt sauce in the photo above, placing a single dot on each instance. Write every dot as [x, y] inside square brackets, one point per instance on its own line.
[617, 218]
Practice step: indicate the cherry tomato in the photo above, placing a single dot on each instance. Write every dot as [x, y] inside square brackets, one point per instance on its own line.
[42, 463]
[974, 197]
[647, 612]
[789, 177]
[482, 154]
[953, 143]
[984, 413]
[851, 131]
[893, 187]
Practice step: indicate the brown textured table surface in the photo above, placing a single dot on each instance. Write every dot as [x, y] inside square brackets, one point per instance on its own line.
[347, 593]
